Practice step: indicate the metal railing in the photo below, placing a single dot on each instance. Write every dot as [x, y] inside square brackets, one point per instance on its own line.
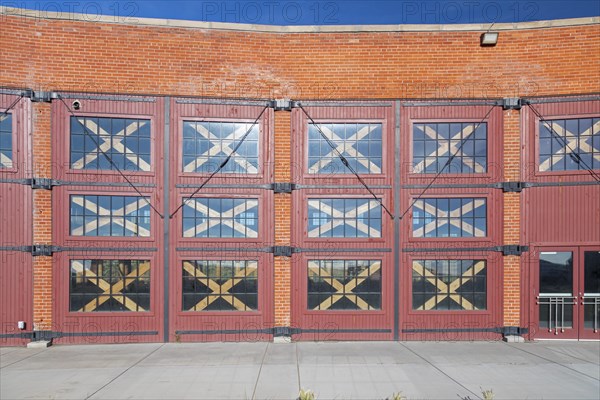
[592, 300]
[556, 310]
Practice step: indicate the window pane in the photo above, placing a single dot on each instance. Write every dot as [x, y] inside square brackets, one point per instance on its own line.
[344, 285]
[568, 144]
[109, 216]
[220, 218]
[220, 285]
[6, 138]
[360, 144]
[207, 145]
[109, 285]
[95, 139]
[435, 143]
[449, 285]
[344, 218]
[450, 217]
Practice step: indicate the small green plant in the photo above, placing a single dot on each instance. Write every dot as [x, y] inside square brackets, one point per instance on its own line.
[306, 395]
[488, 394]
[397, 396]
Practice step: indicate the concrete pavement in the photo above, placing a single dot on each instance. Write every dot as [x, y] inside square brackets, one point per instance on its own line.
[334, 370]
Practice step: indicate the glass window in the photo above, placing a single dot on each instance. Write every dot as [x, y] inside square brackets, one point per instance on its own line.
[450, 217]
[207, 144]
[344, 285]
[110, 216]
[125, 141]
[360, 144]
[344, 218]
[220, 285]
[560, 139]
[109, 285]
[6, 141]
[220, 218]
[449, 285]
[434, 144]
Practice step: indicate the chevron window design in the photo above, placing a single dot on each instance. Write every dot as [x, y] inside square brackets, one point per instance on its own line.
[220, 285]
[435, 143]
[344, 285]
[110, 216]
[450, 217]
[207, 144]
[449, 285]
[126, 141]
[360, 144]
[580, 135]
[109, 285]
[6, 141]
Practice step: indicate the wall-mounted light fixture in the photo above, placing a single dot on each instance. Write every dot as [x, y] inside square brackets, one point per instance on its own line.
[489, 38]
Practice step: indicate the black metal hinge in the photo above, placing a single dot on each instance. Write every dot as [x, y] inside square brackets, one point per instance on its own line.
[512, 187]
[283, 187]
[41, 96]
[283, 251]
[44, 183]
[511, 103]
[283, 105]
[44, 250]
[513, 250]
[283, 331]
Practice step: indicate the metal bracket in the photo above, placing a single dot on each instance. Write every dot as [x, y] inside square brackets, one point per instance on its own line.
[514, 331]
[283, 105]
[43, 183]
[40, 97]
[283, 187]
[283, 251]
[283, 331]
[512, 187]
[44, 250]
[511, 103]
[514, 250]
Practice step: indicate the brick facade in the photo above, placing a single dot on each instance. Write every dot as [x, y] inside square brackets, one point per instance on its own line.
[63, 55]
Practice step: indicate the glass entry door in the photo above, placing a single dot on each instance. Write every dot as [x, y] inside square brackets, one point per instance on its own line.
[567, 298]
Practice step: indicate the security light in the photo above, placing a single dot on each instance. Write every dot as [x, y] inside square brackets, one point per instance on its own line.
[489, 38]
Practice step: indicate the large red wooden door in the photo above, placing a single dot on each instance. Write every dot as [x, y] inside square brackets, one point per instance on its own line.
[16, 278]
[221, 221]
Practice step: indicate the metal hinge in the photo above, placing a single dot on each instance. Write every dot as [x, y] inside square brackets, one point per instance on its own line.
[44, 183]
[44, 250]
[283, 187]
[41, 96]
[283, 251]
[513, 250]
[511, 103]
[283, 105]
[512, 187]
[513, 331]
[283, 331]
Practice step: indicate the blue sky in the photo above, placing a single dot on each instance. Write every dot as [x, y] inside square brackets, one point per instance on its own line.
[324, 12]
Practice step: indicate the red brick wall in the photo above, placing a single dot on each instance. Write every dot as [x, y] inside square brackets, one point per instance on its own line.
[98, 57]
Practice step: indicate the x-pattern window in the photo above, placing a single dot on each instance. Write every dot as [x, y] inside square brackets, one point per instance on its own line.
[220, 218]
[360, 144]
[435, 143]
[344, 285]
[450, 217]
[110, 216]
[449, 285]
[125, 141]
[220, 285]
[109, 285]
[207, 144]
[344, 218]
[580, 135]
[6, 141]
